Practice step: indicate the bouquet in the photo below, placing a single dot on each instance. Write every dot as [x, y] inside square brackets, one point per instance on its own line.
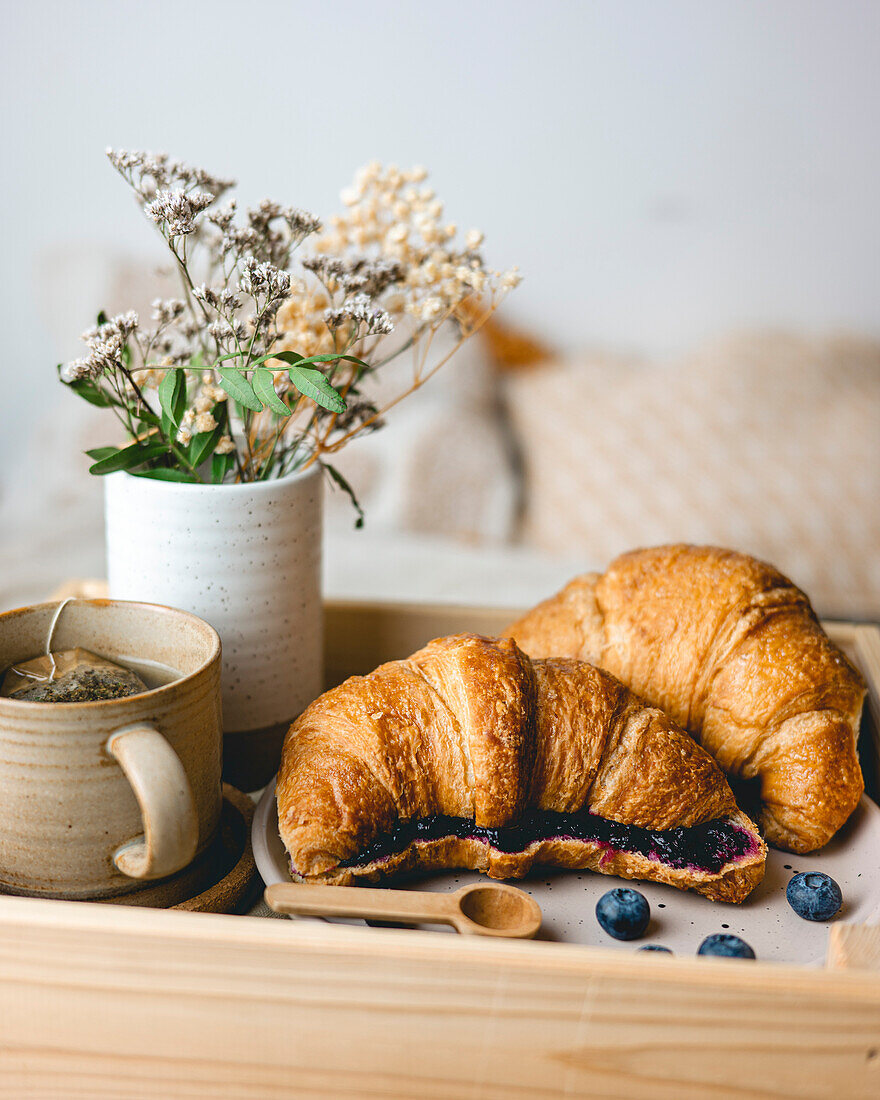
[262, 366]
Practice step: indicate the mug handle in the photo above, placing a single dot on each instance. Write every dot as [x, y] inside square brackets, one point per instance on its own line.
[168, 811]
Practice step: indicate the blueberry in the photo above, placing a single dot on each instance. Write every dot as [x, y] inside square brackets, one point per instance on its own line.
[623, 913]
[656, 947]
[814, 896]
[722, 943]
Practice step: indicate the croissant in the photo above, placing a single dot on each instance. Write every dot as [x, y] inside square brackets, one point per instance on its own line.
[468, 754]
[732, 651]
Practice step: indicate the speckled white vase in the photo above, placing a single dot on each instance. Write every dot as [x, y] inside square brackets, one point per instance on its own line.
[247, 559]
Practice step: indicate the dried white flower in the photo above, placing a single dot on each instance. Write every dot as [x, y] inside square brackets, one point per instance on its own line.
[125, 323]
[124, 161]
[106, 343]
[362, 311]
[178, 210]
[148, 173]
[263, 279]
[206, 294]
[77, 369]
[148, 378]
[187, 424]
[224, 216]
[432, 308]
[166, 310]
[224, 332]
[301, 223]
[511, 279]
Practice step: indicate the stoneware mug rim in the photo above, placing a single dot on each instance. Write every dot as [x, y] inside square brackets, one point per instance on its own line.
[30, 706]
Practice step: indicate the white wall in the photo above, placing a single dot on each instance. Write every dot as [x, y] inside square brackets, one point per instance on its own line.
[659, 170]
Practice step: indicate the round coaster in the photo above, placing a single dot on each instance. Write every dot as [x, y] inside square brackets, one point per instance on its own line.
[221, 879]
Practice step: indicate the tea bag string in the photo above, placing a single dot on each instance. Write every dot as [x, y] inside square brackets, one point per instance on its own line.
[51, 635]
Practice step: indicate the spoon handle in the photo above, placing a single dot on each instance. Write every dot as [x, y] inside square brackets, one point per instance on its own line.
[344, 901]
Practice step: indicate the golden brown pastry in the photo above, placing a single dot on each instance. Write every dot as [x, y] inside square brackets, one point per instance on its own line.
[732, 651]
[468, 754]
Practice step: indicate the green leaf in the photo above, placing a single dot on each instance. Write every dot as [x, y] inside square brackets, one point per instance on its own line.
[166, 473]
[264, 388]
[87, 390]
[235, 355]
[102, 318]
[220, 467]
[239, 388]
[172, 399]
[295, 359]
[346, 488]
[180, 396]
[283, 356]
[203, 444]
[98, 453]
[334, 356]
[127, 458]
[311, 383]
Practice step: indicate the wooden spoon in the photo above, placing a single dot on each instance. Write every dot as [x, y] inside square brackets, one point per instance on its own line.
[481, 909]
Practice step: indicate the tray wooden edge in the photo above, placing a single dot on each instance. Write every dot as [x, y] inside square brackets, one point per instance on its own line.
[140, 1003]
[33, 916]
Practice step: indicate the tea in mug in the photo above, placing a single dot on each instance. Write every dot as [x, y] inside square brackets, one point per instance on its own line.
[78, 676]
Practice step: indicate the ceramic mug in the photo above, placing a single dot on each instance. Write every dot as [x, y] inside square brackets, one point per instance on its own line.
[100, 798]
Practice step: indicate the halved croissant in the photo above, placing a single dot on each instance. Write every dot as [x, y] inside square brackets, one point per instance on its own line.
[732, 651]
[468, 754]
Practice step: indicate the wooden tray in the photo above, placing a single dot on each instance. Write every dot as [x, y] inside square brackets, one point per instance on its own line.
[99, 1001]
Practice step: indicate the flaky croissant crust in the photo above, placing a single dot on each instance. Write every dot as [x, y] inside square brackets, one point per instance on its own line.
[469, 727]
[730, 649]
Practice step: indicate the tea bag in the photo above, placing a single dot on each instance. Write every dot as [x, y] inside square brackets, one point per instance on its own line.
[70, 676]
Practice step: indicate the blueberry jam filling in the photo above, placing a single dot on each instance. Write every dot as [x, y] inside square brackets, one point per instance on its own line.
[705, 847]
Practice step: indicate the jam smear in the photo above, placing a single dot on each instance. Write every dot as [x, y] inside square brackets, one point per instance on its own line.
[705, 847]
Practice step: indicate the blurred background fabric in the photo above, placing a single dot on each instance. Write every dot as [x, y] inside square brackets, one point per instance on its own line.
[767, 442]
[689, 189]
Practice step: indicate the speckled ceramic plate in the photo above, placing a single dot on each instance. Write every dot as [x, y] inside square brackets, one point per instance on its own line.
[680, 920]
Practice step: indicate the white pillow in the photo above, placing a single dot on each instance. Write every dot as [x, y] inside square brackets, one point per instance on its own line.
[767, 443]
